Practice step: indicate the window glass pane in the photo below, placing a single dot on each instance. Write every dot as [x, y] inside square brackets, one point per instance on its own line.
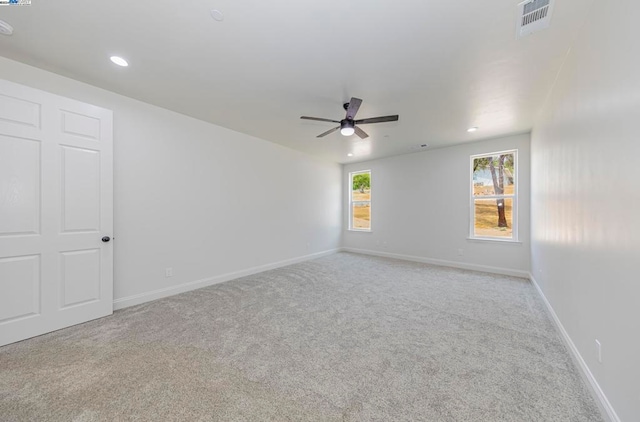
[361, 214]
[361, 201]
[493, 217]
[494, 175]
[361, 187]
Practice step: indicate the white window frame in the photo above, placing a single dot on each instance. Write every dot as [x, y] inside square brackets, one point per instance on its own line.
[351, 201]
[514, 197]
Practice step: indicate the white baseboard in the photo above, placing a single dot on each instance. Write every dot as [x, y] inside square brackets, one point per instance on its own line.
[125, 302]
[443, 263]
[605, 407]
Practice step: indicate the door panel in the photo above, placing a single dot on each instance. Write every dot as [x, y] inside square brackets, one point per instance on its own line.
[20, 286]
[19, 111]
[80, 278]
[56, 203]
[20, 186]
[80, 125]
[80, 189]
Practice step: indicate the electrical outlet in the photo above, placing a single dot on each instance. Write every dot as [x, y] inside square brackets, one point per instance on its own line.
[168, 272]
[599, 350]
[460, 252]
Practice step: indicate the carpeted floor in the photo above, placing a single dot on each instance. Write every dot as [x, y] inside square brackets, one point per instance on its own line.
[343, 338]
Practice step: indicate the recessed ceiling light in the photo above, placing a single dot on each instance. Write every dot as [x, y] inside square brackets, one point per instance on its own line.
[217, 15]
[472, 129]
[119, 61]
[5, 28]
[349, 155]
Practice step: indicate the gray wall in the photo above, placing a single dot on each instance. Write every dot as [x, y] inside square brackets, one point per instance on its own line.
[586, 200]
[204, 200]
[420, 208]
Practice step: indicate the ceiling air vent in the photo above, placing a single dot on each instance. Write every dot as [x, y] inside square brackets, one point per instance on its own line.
[533, 16]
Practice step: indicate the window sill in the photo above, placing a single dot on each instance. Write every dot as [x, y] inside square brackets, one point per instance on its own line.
[489, 240]
[360, 230]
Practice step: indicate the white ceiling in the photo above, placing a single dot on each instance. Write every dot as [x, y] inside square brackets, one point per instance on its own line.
[442, 65]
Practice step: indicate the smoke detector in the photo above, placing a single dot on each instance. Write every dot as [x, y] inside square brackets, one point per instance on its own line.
[5, 28]
[533, 16]
[419, 147]
[217, 15]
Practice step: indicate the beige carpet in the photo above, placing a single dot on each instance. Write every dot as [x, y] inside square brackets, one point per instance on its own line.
[342, 338]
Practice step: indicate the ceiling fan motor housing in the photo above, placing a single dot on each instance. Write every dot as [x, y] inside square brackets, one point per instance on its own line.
[344, 123]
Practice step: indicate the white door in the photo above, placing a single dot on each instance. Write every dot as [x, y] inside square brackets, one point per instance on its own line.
[56, 205]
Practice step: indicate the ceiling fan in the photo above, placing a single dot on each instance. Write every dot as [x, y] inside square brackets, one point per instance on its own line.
[348, 124]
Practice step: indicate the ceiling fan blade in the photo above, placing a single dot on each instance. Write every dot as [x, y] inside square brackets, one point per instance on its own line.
[319, 119]
[377, 120]
[328, 132]
[361, 133]
[354, 105]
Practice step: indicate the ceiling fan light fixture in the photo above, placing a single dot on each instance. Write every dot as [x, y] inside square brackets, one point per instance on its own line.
[347, 131]
[347, 127]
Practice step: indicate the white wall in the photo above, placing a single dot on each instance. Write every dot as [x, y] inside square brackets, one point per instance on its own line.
[420, 207]
[586, 200]
[204, 200]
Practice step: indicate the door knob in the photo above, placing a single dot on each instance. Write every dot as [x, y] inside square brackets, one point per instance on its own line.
[106, 239]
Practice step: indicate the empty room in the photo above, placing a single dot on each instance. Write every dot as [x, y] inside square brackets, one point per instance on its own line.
[319, 211]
